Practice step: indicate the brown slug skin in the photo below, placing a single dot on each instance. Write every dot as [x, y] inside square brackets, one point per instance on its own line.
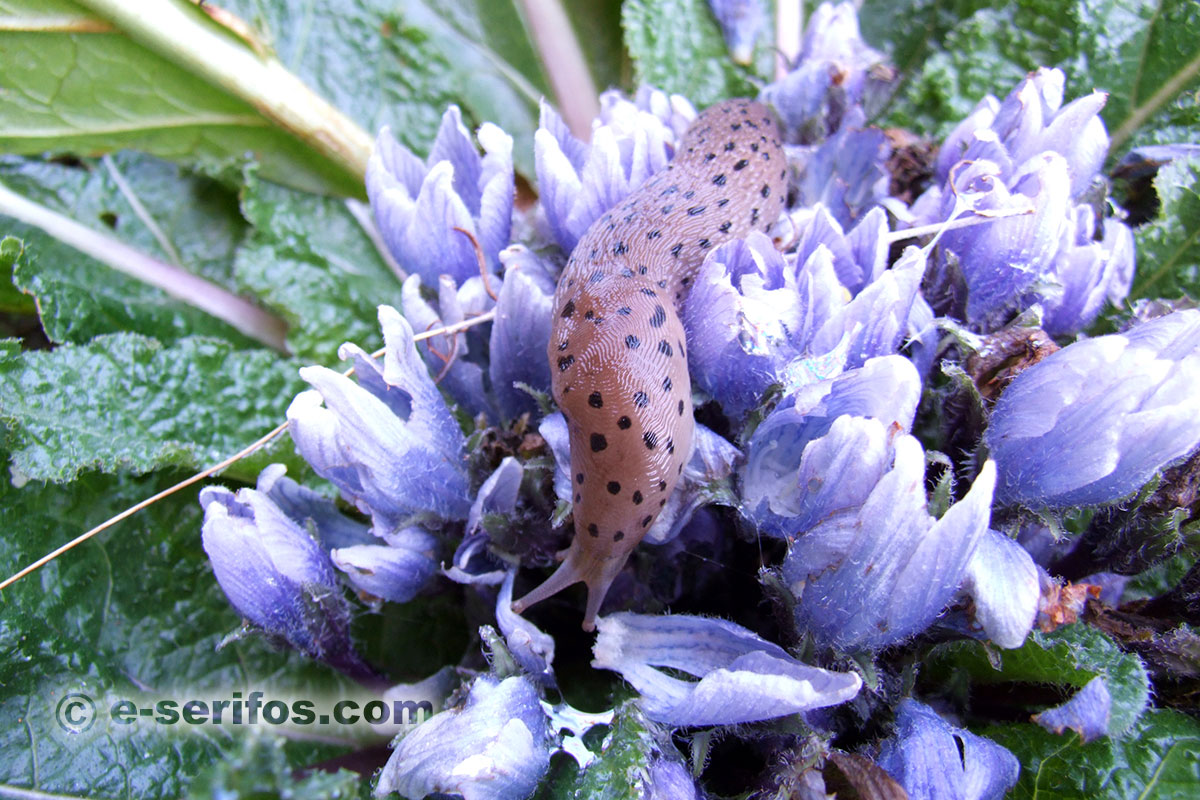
[617, 348]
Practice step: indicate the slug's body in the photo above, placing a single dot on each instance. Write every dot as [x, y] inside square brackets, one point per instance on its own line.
[617, 350]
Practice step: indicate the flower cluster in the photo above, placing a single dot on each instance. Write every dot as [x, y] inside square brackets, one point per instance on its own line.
[812, 353]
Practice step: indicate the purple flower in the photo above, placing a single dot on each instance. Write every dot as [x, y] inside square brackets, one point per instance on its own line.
[836, 72]
[395, 568]
[847, 173]
[741, 21]
[795, 475]
[494, 747]
[741, 678]
[1027, 151]
[418, 204]
[1002, 582]
[1087, 272]
[630, 142]
[933, 760]
[312, 511]
[1087, 713]
[859, 257]
[450, 356]
[875, 573]
[277, 576]
[517, 352]
[388, 442]
[1032, 121]
[497, 495]
[1096, 420]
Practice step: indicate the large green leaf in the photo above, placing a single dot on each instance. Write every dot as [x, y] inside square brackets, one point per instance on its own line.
[1168, 249]
[55, 73]
[1069, 656]
[677, 47]
[125, 402]
[310, 260]
[149, 204]
[135, 610]
[1160, 759]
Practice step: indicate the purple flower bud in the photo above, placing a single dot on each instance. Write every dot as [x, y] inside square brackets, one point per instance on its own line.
[1087, 713]
[1002, 259]
[1096, 420]
[1003, 584]
[796, 475]
[933, 760]
[859, 257]
[1087, 273]
[395, 569]
[464, 378]
[872, 575]
[847, 173]
[741, 678]
[498, 494]
[418, 205]
[836, 73]
[521, 332]
[277, 576]
[388, 442]
[312, 511]
[741, 21]
[630, 142]
[493, 747]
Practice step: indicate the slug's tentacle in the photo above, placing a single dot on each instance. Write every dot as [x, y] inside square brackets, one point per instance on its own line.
[617, 350]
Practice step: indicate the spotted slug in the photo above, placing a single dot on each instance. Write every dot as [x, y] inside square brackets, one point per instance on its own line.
[617, 349]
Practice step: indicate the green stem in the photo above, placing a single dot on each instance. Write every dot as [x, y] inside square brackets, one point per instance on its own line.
[1138, 116]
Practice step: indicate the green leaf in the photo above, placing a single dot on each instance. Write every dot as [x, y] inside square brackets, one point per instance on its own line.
[1159, 759]
[677, 47]
[261, 769]
[149, 204]
[400, 64]
[309, 260]
[1145, 54]
[133, 610]
[1069, 656]
[12, 299]
[622, 766]
[56, 71]
[1168, 249]
[987, 51]
[125, 402]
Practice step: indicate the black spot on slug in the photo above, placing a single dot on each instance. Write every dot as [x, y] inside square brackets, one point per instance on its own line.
[664, 347]
[667, 384]
[624, 311]
[593, 530]
[650, 292]
[637, 498]
[595, 400]
[568, 309]
[623, 423]
[565, 362]
[725, 226]
[562, 346]
[596, 277]
[676, 249]
[766, 190]
[720, 179]
[681, 408]
[662, 486]
[614, 487]
[650, 439]
[741, 165]
[579, 477]
[646, 521]
[618, 536]
[598, 442]
[695, 211]
[632, 342]
[640, 399]
[660, 316]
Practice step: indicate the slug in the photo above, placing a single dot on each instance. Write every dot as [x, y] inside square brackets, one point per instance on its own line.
[617, 351]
